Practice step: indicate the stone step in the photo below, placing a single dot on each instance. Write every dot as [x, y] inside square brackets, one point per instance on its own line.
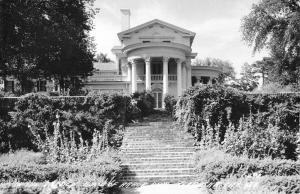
[158, 154]
[161, 179]
[157, 160]
[158, 171]
[148, 165]
[153, 144]
[156, 149]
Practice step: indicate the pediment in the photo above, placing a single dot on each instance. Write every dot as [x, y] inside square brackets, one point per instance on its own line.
[155, 29]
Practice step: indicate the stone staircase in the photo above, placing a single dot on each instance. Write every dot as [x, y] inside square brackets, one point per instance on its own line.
[157, 152]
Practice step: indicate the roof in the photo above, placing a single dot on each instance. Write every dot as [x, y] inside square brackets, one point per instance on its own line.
[157, 21]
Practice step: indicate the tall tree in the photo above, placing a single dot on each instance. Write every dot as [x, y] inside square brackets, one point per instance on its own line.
[249, 78]
[103, 58]
[275, 25]
[265, 67]
[46, 38]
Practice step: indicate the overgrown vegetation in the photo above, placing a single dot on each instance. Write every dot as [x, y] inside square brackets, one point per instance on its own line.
[75, 138]
[242, 136]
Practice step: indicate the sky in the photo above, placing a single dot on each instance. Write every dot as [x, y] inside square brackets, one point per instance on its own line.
[215, 22]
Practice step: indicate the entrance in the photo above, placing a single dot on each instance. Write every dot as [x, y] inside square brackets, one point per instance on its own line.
[158, 97]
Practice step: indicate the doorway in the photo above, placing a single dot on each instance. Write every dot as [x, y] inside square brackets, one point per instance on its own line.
[157, 97]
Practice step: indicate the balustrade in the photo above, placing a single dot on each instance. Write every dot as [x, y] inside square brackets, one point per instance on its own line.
[157, 77]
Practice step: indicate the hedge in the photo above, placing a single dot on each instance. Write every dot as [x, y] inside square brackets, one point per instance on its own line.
[214, 165]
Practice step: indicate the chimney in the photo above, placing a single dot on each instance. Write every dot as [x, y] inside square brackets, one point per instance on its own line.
[125, 19]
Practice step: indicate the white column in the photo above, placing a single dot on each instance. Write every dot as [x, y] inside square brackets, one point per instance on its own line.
[189, 73]
[129, 72]
[165, 78]
[184, 76]
[133, 80]
[179, 77]
[148, 74]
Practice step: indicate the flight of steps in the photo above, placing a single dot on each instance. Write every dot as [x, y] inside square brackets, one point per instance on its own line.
[157, 152]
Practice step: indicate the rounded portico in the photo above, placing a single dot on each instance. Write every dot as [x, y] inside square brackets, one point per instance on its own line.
[156, 56]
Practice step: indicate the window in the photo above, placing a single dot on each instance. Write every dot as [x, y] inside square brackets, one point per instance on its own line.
[146, 41]
[167, 41]
[9, 86]
[41, 86]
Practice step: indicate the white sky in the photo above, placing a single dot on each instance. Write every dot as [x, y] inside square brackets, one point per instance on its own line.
[215, 22]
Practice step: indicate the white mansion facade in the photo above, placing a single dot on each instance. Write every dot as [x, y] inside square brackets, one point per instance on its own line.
[154, 56]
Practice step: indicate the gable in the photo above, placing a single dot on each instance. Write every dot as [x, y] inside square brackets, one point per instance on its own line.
[157, 30]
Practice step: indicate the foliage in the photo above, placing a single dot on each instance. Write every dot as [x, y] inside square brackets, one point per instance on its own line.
[102, 58]
[256, 140]
[264, 68]
[273, 88]
[88, 185]
[254, 125]
[81, 115]
[43, 38]
[249, 78]
[100, 174]
[275, 24]
[214, 165]
[170, 104]
[213, 105]
[145, 102]
[259, 184]
[22, 156]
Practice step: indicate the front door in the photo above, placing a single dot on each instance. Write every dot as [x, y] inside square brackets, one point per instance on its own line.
[158, 99]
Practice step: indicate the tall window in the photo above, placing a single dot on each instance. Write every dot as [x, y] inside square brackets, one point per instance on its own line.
[41, 86]
[9, 86]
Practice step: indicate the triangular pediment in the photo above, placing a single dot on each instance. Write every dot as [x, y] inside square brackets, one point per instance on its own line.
[156, 33]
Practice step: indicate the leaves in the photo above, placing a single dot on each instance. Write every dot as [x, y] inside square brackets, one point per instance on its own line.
[275, 25]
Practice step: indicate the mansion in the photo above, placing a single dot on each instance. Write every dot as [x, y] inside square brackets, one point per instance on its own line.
[154, 56]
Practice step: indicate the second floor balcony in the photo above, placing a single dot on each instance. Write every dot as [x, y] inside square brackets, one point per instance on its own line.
[157, 77]
[119, 78]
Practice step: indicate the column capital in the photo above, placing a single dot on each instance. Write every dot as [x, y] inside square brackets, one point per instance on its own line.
[147, 59]
[179, 60]
[166, 59]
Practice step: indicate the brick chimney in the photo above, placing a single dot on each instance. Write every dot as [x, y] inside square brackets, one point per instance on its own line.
[125, 19]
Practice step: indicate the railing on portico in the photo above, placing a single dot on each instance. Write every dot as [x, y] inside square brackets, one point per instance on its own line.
[107, 78]
[157, 77]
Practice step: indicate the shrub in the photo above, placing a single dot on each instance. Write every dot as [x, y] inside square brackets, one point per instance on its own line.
[246, 185]
[257, 137]
[259, 184]
[85, 185]
[170, 105]
[209, 111]
[214, 165]
[82, 115]
[145, 102]
[213, 105]
[282, 184]
[106, 165]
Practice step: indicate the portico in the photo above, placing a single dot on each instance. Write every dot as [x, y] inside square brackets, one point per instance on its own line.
[155, 56]
[158, 70]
